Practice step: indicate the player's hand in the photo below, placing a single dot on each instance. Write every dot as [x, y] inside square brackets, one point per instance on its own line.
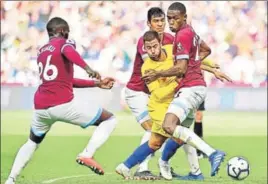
[106, 83]
[94, 74]
[97, 75]
[221, 76]
[217, 66]
[150, 76]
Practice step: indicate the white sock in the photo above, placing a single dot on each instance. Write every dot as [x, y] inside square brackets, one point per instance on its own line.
[144, 165]
[22, 158]
[100, 136]
[189, 137]
[192, 159]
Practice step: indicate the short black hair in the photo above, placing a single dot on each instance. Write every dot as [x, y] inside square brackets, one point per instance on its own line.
[177, 6]
[150, 35]
[55, 24]
[154, 12]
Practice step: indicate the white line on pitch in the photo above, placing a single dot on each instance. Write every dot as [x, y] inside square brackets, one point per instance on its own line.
[68, 177]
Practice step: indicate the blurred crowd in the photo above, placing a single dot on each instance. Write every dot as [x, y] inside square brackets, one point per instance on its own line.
[106, 33]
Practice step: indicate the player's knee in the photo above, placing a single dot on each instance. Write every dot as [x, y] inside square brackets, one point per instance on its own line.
[36, 139]
[170, 123]
[105, 115]
[169, 128]
[155, 144]
[198, 116]
[147, 125]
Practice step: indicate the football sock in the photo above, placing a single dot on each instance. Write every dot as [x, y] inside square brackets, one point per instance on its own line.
[189, 137]
[198, 129]
[170, 149]
[23, 157]
[192, 159]
[162, 147]
[100, 136]
[144, 165]
[138, 155]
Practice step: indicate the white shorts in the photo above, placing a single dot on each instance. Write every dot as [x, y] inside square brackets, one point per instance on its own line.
[76, 112]
[137, 102]
[185, 103]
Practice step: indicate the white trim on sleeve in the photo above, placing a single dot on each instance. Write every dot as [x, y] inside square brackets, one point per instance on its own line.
[65, 46]
[144, 56]
[184, 56]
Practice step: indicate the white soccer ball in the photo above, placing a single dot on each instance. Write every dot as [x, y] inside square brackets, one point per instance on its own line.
[238, 168]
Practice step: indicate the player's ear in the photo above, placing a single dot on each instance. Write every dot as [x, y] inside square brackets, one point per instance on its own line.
[149, 24]
[185, 17]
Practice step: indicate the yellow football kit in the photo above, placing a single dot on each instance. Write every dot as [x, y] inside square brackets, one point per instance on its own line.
[162, 90]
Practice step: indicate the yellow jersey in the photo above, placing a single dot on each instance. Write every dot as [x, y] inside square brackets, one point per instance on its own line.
[161, 90]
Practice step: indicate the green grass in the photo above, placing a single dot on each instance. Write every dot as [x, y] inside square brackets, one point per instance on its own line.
[243, 134]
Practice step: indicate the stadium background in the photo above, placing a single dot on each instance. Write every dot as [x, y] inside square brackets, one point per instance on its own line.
[106, 34]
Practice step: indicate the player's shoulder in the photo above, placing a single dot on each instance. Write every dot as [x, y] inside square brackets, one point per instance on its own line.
[145, 66]
[61, 42]
[140, 46]
[186, 31]
[168, 46]
[169, 49]
[140, 42]
[70, 42]
[167, 38]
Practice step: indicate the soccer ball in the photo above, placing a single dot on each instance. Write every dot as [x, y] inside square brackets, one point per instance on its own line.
[238, 168]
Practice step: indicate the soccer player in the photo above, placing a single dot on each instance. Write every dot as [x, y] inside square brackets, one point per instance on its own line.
[191, 90]
[162, 92]
[54, 99]
[136, 92]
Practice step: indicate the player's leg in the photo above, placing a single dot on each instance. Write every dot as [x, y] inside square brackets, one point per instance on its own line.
[198, 125]
[143, 171]
[106, 123]
[195, 172]
[171, 147]
[84, 114]
[189, 99]
[149, 147]
[40, 126]
[137, 103]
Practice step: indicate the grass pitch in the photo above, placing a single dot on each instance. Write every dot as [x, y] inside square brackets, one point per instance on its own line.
[237, 133]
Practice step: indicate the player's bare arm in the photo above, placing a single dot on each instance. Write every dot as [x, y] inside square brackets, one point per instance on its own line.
[106, 83]
[92, 73]
[218, 74]
[205, 50]
[72, 55]
[179, 69]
